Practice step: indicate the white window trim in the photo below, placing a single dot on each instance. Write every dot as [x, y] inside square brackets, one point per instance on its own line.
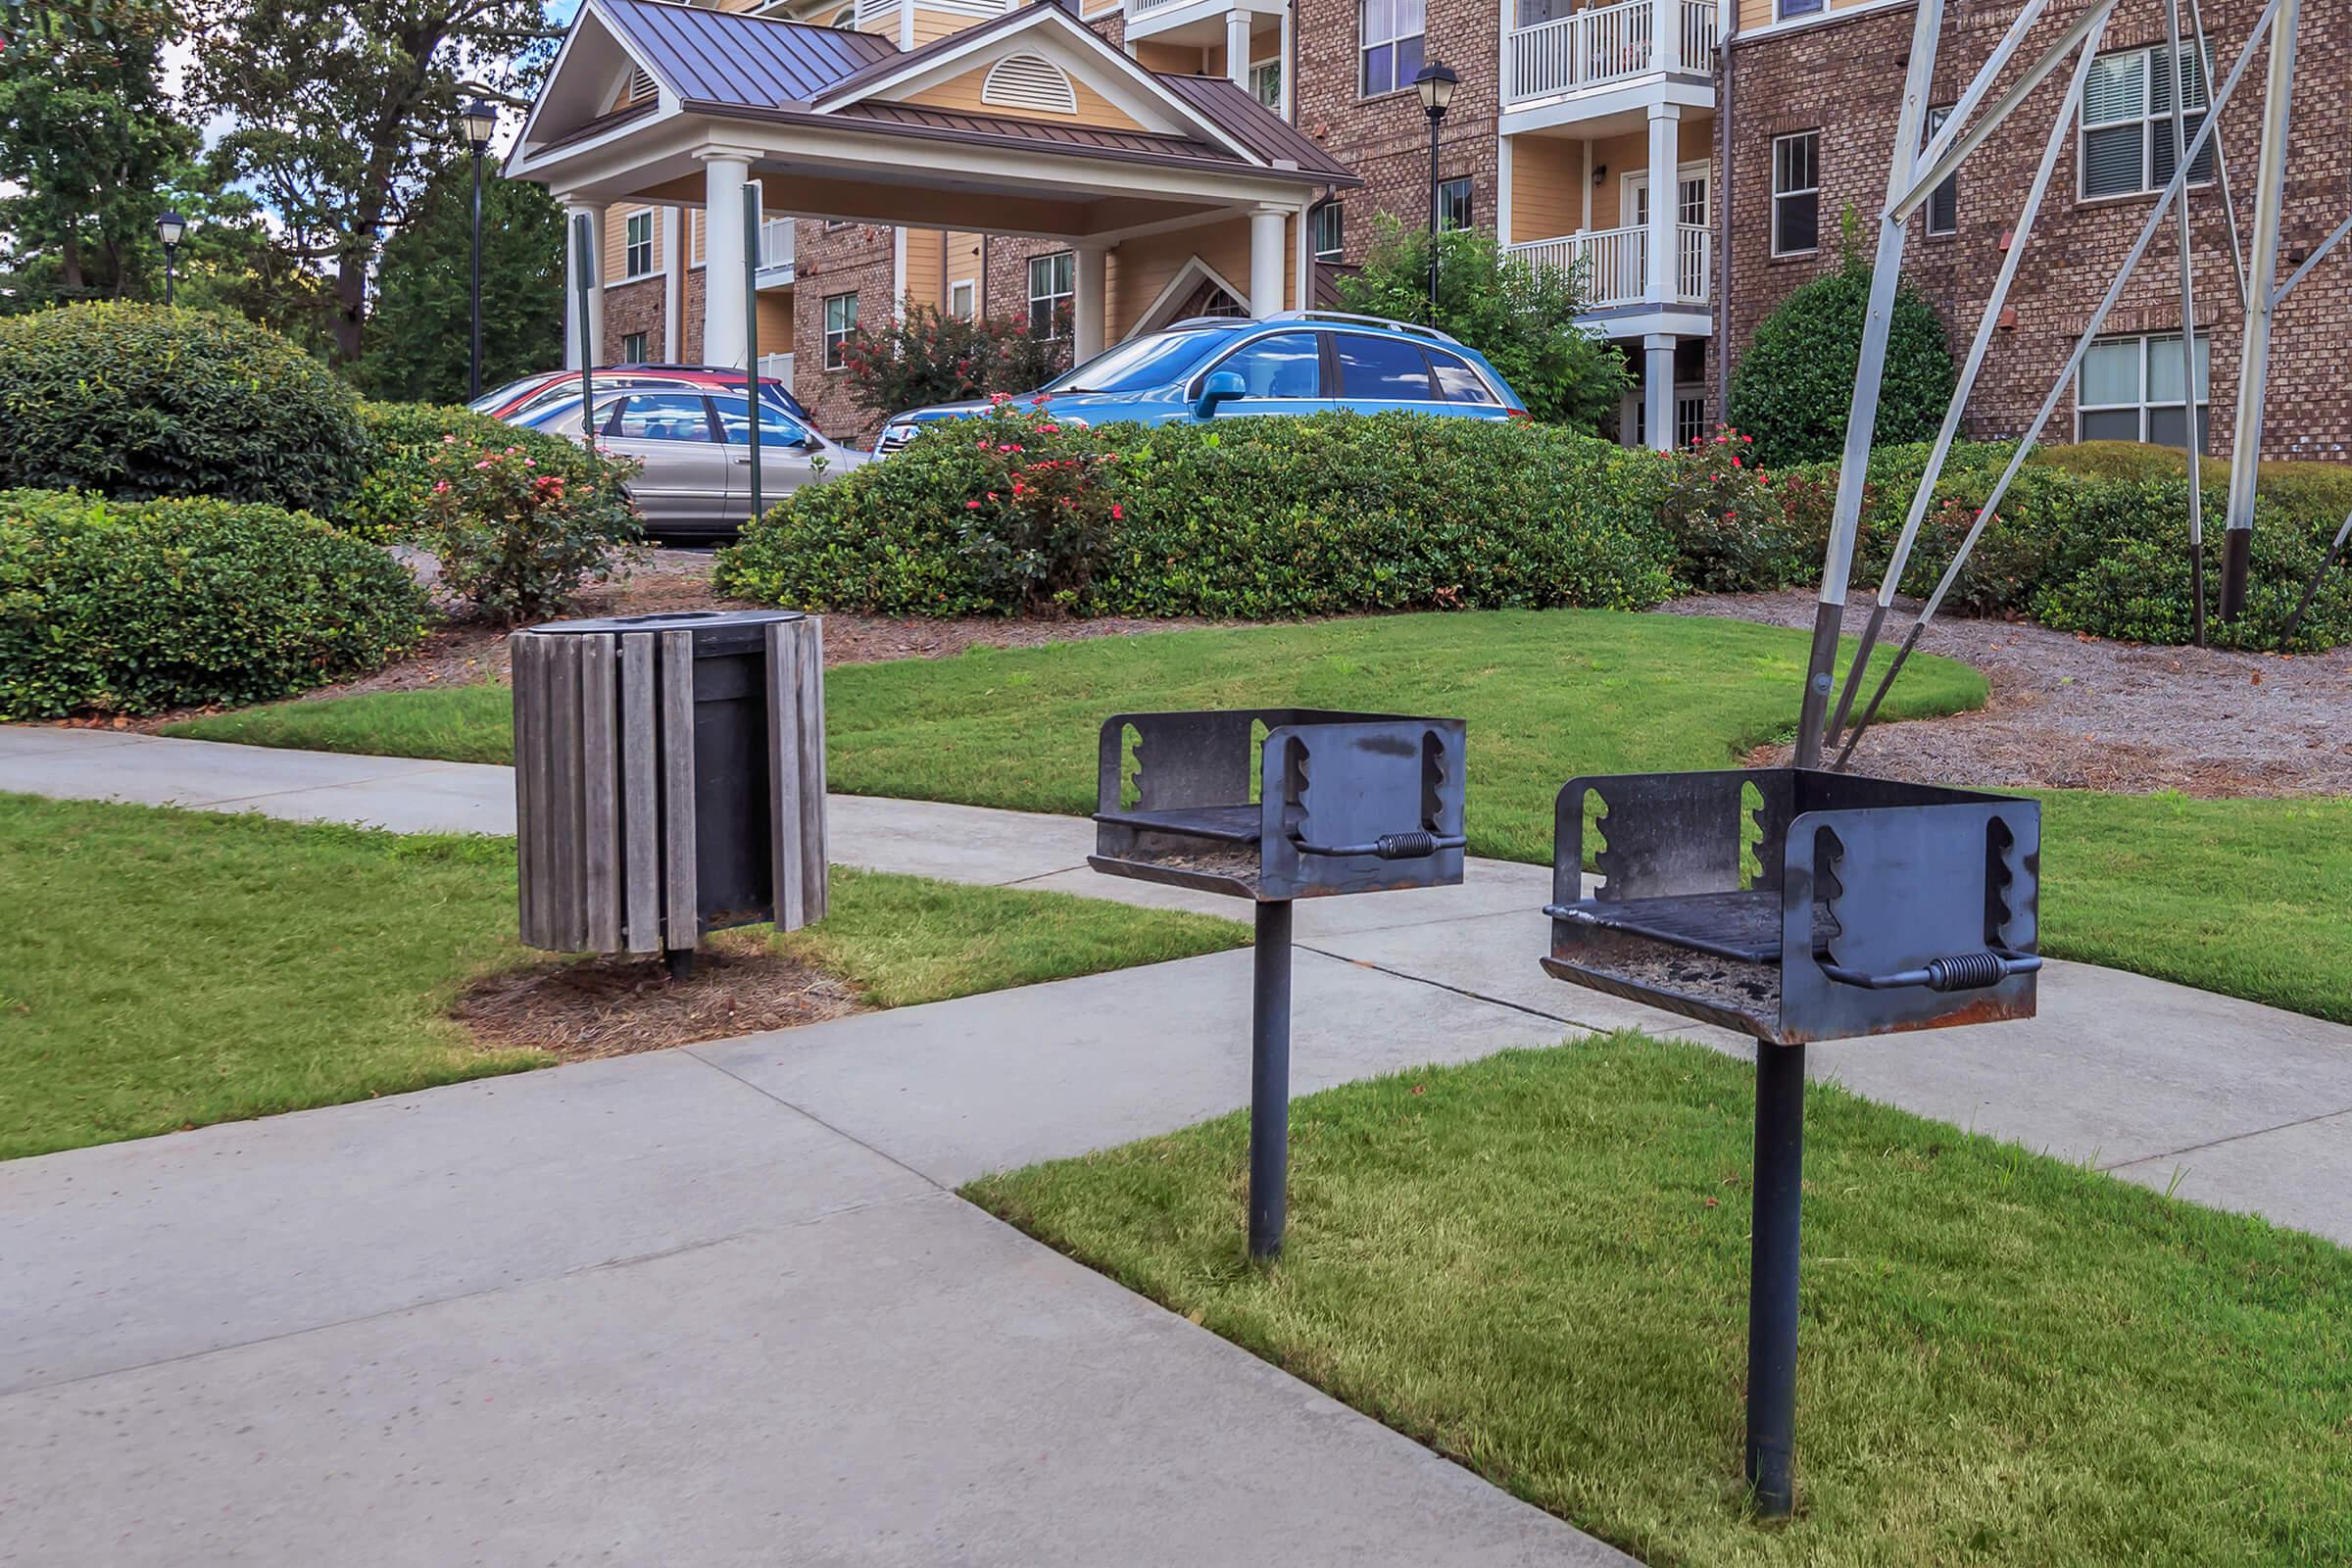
[2147, 404]
[1938, 116]
[1281, 88]
[629, 269]
[1069, 298]
[970, 289]
[1340, 249]
[1365, 44]
[1773, 217]
[2149, 120]
[830, 341]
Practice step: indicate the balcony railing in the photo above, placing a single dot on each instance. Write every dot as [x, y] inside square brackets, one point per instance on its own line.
[1613, 263]
[1604, 44]
[778, 366]
[775, 243]
[873, 11]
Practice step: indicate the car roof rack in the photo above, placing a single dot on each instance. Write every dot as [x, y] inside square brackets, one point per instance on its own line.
[1410, 327]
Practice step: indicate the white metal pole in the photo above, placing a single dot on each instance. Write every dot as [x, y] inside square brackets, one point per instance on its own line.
[2189, 328]
[2254, 356]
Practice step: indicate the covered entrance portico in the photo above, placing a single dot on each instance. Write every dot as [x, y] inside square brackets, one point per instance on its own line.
[1028, 124]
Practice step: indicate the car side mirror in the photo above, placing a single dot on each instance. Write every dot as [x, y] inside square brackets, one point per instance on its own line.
[1223, 387]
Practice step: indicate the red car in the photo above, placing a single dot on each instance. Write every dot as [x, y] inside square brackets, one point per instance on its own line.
[535, 394]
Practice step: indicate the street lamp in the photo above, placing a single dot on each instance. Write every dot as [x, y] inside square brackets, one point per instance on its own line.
[1436, 85]
[170, 228]
[481, 124]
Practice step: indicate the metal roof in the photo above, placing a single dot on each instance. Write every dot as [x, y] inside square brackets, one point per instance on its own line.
[1240, 114]
[728, 58]
[1017, 127]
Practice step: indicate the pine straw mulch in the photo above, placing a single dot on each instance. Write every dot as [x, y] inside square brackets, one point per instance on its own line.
[618, 1005]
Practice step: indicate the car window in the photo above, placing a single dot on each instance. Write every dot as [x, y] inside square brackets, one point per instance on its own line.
[1140, 365]
[660, 417]
[1386, 368]
[1287, 364]
[773, 426]
[1457, 382]
[503, 395]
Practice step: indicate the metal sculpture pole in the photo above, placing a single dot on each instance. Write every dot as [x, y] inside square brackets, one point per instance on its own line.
[2254, 357]
[751, 330]
[2189, 327]
[2206, 133]
[2311, 589]
[2221, 162]
[1862, 412]
[583, 261]
[1986, 323]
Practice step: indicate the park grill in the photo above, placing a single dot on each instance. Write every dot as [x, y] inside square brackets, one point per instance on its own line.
[1275, 804]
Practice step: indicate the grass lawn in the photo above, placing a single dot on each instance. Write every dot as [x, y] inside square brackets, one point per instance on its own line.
[168, 969]
[1537, 1264]
[2232, 896]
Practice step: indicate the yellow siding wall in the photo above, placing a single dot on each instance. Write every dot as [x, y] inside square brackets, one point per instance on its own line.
[1755, 14]
[962, 94]
[925, 263]
[613, 265]
[775, 322]
[1142, 266]
[1548, 181]
[1175, 59]
[932, 26]
[1625, 154]
[964, 257]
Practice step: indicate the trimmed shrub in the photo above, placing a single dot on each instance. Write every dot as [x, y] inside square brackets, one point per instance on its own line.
[405, 440]
[2307, 491]
[133, 607]
[135, 401]
[1252, 517]
[1792, 386]
[1730, 530]
[516, 540]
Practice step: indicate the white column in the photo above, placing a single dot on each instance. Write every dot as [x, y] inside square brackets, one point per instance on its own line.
[725, 285]
[1266, 260]
[1657, 384]
[1237, 47]
[1666, 27]
[673, 287]
[1091, 290]
[1289, 67]
[1665, 193]
[573, 265]
[1502, 190]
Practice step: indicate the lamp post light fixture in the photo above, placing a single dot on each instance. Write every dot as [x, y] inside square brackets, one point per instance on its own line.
[170, 228]
[481, 124]
[1436, 85]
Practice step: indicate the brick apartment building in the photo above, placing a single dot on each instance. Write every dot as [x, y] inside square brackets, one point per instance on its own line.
[1766, 118]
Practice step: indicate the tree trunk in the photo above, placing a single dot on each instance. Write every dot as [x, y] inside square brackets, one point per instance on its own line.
[351, 303]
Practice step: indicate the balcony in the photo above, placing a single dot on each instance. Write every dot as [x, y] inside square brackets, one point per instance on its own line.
[777, 366]
[1605, 46]
[1612, 265]
[882, 16]
[1201, 21]
[775, 252]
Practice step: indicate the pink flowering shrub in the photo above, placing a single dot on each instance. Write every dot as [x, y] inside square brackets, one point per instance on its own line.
[1729, 530]
[518, 541]
[1039, 528]
[927, 356]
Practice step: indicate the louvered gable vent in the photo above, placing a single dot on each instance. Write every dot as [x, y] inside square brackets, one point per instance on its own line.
[637, 89]
[1029, 81]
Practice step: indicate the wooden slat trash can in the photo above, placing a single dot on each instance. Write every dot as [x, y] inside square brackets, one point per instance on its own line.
[669, 778]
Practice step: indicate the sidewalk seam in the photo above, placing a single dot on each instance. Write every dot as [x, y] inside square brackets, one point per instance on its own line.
[2234, 1138]
[1459, 991]
[801, 1110]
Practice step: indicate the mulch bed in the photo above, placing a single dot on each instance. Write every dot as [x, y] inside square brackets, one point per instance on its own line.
[2071, 712]
[616, 1006]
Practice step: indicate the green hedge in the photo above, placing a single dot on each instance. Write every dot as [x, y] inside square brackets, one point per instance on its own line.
[135, 401]
[394, 500]
[1260, 519]
[133, 607]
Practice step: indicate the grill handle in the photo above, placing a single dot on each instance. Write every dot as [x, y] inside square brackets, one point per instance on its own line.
[1413, 846]
[1963, 971]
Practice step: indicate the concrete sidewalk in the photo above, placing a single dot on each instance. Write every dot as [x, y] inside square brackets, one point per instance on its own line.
[717, 1304]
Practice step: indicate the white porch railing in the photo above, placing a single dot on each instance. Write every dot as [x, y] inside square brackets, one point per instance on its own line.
[1604, 44]
[1614, 264]
[777, 366]
[871, 10]
[776, 242]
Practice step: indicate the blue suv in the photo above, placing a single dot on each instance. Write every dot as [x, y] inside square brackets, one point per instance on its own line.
[1297, 361]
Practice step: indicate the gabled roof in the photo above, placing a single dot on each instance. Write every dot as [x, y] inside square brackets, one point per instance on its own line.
[763, 68]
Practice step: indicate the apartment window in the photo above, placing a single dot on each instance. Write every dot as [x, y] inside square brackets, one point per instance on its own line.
[1944, 203]
[1454, 204]
[2126, 135]
[1323, 232]
[1795, 193]
[637, 235]
[1388, 38]
[960, 299]
[1689, 418]
[1265, 83]
[1797, 8]
[841, 319]
[633, 349]
[2134, 390]
[1053, 283]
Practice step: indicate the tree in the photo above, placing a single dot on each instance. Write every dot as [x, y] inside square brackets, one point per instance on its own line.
[1791, 388]
[341, 111]
[415, 347]
[927, 357]
[1521, 317]
[92, 143]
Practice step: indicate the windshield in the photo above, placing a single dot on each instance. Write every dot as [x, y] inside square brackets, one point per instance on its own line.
[1137, 365]
[512, 389]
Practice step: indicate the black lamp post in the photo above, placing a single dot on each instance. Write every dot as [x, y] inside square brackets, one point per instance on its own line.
[481, 124]
[1435, 84]
[170, 228]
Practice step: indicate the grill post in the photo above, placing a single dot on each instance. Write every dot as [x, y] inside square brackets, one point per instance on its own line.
[1779, 1158]
[1269, 1078]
